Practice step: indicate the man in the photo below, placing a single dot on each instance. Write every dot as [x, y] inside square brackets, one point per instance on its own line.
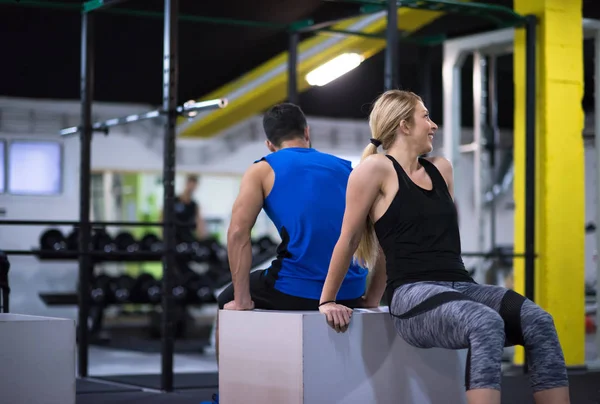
[188, 220]
[303, 191]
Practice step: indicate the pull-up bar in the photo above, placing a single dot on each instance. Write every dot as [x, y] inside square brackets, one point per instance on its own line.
[189, 109]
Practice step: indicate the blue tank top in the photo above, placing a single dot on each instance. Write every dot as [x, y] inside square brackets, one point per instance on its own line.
[307, 206]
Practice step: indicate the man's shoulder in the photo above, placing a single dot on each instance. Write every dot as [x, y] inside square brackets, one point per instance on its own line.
[258, 168]
[335, 159]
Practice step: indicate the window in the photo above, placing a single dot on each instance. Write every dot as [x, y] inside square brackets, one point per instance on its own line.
[34, 168]
[2, 165]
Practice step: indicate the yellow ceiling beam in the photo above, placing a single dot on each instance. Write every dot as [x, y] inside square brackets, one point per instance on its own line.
[266, 85]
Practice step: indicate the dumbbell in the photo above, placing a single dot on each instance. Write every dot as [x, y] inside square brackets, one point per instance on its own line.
[265, 244]
[122, 288]
[73, 240]
[125, 242]
[262, 249]
[102, 241]
[52, 240]
[199, 288]
[150, 242]
[98, 241]
[255, 248]
[101, 289]
[183, 247]
[146, 289]
[201, 251]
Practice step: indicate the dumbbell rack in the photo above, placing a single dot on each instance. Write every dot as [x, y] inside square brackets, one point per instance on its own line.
[263, 248]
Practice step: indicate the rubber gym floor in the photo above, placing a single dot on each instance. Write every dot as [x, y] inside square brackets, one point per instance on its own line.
[193, 388]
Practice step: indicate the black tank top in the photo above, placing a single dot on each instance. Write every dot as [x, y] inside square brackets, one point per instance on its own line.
[419, 233]
[185, 219]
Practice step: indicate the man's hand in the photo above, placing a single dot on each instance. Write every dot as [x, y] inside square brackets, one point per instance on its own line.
[338, 316]
[233, 305]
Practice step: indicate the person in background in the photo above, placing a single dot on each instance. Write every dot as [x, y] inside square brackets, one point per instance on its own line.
[188, 219]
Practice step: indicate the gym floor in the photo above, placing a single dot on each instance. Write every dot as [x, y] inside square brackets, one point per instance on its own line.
[125, 377]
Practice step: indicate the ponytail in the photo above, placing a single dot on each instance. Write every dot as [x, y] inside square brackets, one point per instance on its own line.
[391, 108]
[366, 253]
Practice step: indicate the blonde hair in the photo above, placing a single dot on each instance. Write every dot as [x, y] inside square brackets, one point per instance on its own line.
[391, 108]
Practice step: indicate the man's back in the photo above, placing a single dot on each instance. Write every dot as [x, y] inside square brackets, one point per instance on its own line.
[306, 204]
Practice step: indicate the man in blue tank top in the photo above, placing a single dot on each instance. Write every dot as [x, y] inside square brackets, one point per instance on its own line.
[303, 192]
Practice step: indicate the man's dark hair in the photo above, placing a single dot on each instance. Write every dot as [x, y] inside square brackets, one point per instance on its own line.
[284, 122]
[192, 178]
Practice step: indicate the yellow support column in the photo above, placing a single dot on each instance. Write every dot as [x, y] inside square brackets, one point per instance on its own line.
[560, 187]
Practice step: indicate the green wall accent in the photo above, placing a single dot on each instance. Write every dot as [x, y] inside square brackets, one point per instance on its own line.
[149, 193]
[129, 213]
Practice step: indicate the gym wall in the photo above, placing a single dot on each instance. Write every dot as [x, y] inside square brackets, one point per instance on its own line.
[136, 150]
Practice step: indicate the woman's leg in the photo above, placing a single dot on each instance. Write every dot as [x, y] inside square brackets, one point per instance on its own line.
[458, 324]
[538, 335]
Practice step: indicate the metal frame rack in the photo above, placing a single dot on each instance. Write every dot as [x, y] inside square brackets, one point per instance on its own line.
[501, 16]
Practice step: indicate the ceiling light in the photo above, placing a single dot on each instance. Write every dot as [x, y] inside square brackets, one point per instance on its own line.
[333, 69]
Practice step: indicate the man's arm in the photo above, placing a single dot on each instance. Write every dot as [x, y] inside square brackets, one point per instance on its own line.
[245, 210]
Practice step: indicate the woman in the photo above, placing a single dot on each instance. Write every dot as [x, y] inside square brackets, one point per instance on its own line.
[400, 208]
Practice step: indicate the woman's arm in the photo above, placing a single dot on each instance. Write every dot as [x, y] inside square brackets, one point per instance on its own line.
[364, 185]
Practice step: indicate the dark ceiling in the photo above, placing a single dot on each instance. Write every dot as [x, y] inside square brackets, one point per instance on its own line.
[41, 51]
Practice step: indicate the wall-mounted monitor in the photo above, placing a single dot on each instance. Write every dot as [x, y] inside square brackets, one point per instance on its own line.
[34, 167]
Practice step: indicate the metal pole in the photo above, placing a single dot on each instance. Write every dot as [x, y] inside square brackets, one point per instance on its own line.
[294, 39]
[391, 50]
[4, 283]
[530, 163]
[479, 113]
[597, 144]
[170, 71]
[425, 72]
[530, 154]
[494, 139]
[451, 78]
[85, 262]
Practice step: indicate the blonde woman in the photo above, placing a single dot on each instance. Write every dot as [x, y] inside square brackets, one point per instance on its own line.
[400, 219]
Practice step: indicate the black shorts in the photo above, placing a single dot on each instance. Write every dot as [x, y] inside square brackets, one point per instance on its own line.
[266, 297]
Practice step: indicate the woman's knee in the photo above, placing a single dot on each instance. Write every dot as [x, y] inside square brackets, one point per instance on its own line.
[486, 343]
[536, 323]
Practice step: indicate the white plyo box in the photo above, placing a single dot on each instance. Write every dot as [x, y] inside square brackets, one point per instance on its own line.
[279, 357]
[37, 359]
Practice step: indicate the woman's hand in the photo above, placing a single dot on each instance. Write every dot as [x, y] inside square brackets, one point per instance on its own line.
[338, 316]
